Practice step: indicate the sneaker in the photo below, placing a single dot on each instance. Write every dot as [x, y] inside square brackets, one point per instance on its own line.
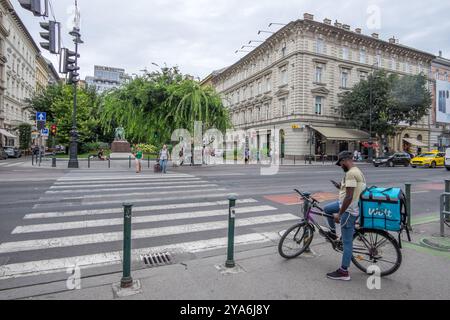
[339, 275]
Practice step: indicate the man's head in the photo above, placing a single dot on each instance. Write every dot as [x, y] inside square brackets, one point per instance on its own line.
[345, 160]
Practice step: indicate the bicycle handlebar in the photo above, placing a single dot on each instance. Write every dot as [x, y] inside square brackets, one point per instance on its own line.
[306, 197]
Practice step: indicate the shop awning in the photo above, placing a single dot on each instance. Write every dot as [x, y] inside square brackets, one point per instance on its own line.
[7, 134]
[415, 142]
[342, 134]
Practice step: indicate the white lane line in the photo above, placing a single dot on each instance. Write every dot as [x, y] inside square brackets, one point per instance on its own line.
[128, 183]
[60, 214]
[14, 164]
[416, 192]
[42, 267]
[3, 164]
[128, 195]
[136, 220]
[107, 178]
[61, 242]
[136, 188]
[134, 201]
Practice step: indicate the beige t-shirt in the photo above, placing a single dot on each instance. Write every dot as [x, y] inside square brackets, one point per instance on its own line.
[354, 178]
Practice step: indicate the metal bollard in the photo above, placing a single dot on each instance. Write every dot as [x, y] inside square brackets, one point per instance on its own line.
[32, 160]
[109, 163]
[89, 161]
[408, 205]
[294, 159]
[54, 162]
[231, 225]
[127, 280]
[129, 162]
[447, 203]
[148, 158]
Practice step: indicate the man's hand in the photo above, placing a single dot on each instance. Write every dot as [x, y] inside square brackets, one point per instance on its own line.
[337, 218]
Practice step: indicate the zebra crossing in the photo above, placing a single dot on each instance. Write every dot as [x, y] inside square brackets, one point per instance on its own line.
[78, 222]
[9, 164]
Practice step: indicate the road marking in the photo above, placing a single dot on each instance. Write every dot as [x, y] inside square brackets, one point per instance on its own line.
[129, 195]
[136, 220]
[34, 268]
[107, 178]
[127, 183]
[14, 164]
[128, 189]
[60, 214]
[61, 242]
[416, 192]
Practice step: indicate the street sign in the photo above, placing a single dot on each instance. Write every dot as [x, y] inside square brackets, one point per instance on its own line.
[45, 132]
[34, 134]
[41, 116]
[41, 125]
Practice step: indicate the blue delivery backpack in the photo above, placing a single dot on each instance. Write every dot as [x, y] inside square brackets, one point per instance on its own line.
[384, 209]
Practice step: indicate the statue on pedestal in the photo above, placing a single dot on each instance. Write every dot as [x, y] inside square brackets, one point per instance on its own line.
[120, 134]
[120, 144]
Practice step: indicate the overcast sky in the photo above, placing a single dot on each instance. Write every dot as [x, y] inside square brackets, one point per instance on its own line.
[202, 35]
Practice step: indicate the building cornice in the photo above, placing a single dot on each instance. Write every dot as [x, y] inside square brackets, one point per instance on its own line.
[328, 30]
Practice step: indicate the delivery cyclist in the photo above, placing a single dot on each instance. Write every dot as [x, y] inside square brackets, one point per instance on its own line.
[346, 211]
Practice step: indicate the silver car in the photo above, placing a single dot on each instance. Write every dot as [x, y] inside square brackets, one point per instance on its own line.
[13, 152]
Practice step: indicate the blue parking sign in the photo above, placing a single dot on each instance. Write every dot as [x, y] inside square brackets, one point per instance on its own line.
[41, 116]
[45, 132]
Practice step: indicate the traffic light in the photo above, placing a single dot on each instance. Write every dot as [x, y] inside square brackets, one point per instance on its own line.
[53, 130]
[52, 36]
[67, 62]
[36, 7]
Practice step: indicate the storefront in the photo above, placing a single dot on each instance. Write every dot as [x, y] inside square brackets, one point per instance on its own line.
[7, 139]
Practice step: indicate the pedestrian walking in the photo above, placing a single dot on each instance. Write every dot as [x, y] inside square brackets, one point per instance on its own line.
[138, 155]
[164, 157]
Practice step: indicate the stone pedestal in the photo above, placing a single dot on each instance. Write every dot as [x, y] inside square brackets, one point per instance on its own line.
[121, 147]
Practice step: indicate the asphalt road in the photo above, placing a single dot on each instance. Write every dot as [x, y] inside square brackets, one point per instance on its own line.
[50, 216]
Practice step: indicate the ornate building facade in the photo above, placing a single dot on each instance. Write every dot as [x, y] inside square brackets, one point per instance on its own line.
[292, 82]
[440, 128]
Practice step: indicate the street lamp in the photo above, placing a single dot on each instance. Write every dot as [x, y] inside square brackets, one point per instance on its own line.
[370, 113]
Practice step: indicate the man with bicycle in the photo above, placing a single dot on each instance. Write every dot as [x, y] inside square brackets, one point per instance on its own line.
[346, 211]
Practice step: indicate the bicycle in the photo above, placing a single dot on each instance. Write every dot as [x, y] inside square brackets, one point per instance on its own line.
[370, 246]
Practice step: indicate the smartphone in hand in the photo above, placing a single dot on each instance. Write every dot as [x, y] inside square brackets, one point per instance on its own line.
[337, 185]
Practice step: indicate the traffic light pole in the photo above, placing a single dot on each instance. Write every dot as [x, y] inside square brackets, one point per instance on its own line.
[73, 160]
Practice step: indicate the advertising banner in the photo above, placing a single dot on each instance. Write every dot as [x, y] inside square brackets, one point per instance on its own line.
[442, 101]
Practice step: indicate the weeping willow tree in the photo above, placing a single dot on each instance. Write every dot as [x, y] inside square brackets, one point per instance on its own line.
[150, 108]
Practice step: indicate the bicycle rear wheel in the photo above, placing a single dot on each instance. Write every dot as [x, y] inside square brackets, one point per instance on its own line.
[296, 240]
[376, 248]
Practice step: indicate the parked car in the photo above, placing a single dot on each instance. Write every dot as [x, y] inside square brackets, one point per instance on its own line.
[392, 160]
[3, 154]
[447, 159]
[431, 159]
[13, 152]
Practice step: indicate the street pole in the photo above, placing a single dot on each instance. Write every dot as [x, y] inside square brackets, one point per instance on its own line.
[127, 280]
[370, 120]
[230, 263]
[73, 161]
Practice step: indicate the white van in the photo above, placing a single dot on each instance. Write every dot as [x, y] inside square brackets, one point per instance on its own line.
[447, 159]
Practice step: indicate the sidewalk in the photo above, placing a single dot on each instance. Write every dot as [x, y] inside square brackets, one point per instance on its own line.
[424, 274]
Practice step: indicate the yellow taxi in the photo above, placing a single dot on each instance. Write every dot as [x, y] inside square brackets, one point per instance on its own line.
[430, 159]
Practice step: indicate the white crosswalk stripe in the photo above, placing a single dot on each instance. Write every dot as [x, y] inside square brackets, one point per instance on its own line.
[183, 208]
[14, 164]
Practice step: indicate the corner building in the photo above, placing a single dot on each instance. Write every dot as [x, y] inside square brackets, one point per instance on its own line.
[292, 82]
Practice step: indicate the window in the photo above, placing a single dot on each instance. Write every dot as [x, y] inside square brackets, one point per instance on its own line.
[379, 61]
[283, 104]
[268, 84]
[266, 107]
[318, 106]
[319, 46]
[284, 76]
[283, 50]
[344, 79]
[393, 63]
[251, 91]
[345, 55]
[259, 88]
[319, 74]
[258, 113]
[362, 55]
[363, 75]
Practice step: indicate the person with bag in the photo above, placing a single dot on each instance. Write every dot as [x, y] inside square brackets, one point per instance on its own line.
[164, 157]
[138, 155]
[346, 211]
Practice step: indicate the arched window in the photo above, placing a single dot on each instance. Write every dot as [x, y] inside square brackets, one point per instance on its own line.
[419, 137]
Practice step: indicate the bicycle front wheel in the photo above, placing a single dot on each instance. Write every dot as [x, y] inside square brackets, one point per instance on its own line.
[296, 240]
[376, 248]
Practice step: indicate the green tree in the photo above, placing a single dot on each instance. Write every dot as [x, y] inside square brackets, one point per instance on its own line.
[25, 136]
[389, 100]
[57, 101]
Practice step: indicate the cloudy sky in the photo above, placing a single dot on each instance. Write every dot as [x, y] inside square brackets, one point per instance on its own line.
[202, 35]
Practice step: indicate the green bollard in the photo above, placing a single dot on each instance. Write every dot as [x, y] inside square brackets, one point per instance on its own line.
[127, 280]
[447, 202]
[408, 205]
[129, 162]
[231, 224]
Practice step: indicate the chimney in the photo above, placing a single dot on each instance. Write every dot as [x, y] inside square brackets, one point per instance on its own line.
[392, 40]
[440, 53]
[337, 24]
[327, 21]
[375, 35]
[308, 16]
[346, 27]
[358, 30]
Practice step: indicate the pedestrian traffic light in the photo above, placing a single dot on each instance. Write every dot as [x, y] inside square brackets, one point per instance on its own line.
[53, 130]
[36, 7]
[52, 36]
